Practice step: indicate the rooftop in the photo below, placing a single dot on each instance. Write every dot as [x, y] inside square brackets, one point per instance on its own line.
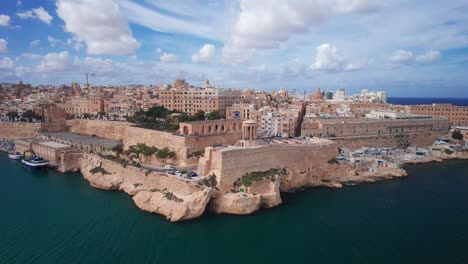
[54, 145]
[82, 139]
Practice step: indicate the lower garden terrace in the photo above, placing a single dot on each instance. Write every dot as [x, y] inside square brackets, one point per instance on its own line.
[82, 142]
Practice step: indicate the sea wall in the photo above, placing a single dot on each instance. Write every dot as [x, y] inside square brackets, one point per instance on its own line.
[175, 198]
[70, 161]
[422, 139]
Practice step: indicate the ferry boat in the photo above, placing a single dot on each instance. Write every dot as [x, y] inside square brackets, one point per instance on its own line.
[15, 155]
[35, 162]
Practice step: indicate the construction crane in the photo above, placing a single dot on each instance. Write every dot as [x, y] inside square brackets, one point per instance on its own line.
[87, 78]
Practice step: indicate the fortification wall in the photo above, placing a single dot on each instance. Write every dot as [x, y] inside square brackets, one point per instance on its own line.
[387, 141]
[230, 165]
[198, 143]
[103, 129]
[128, 135]
[16, 130]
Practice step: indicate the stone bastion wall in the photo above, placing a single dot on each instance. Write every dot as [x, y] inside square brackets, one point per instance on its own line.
[128, 135]
[230, 164]
[17, 130]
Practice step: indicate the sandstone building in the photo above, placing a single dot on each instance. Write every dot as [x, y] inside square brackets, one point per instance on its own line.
[365, 127]
[457, 115]
[191, 100]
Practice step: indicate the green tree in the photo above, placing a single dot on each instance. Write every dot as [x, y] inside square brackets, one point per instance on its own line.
[118, 149]
[12, 115]
[200, 115]
[165, 153]
[457, 135]
[30, 115]
[148, 152]
[214, 115]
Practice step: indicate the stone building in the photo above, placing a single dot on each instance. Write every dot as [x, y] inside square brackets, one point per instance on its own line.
[242, 111]
[192, 100]
[365, 127]
[47, 149]
[457, 115]
[81, 142]
[210, 127]
[91, 104]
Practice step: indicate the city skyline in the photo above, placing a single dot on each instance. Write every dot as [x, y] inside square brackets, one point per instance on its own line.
[407, 49]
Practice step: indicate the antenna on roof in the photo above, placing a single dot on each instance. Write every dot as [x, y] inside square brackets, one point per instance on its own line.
[87, 79]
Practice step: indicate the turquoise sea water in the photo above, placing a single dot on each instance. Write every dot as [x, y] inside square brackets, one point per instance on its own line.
[49, 217]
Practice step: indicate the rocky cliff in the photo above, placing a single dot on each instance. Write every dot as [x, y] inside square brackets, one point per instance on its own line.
[175, 198]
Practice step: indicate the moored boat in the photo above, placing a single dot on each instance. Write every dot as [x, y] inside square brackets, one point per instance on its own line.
[15, 155]
[35, 162]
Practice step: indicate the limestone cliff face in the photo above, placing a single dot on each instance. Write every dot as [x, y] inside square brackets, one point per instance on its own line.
[174, 208]
[314, 176]
[176, 198]
[236, 203]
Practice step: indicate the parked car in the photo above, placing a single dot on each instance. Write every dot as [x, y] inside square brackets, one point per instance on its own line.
[192, 174]
[168, 167]
[178, 173]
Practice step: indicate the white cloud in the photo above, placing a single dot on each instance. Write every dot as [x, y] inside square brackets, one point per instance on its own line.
[169, 58]
[7, 64]
[158, 50]
[431, 56]
[52, 41]
[54, 62]
[408, 57]
[34, 43]
[31, 56]
[4, 20]
[3, 46]
[328, 59]
[206, 54]
[264, 24]
[163, 22]
[99, 24]
[37, 13]
[75, 43]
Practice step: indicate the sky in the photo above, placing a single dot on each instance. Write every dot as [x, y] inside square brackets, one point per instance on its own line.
[416, 48]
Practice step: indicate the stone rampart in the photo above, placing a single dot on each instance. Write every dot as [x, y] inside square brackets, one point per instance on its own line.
[231, 163]
[128, 135]
[15, 130]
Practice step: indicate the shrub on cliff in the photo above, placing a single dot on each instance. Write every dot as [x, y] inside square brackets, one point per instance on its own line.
[249, 178]
[457, 135]
[99, 170]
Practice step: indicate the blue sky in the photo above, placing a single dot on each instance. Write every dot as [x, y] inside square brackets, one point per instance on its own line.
[408, 48]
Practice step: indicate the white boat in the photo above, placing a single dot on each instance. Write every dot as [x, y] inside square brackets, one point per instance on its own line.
[15, 155]
[35, 162]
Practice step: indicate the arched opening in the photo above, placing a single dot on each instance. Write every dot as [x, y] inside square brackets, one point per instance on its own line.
[203, 129]
[216, 129]
[222, 128]
[209, 129]
[185, 130]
